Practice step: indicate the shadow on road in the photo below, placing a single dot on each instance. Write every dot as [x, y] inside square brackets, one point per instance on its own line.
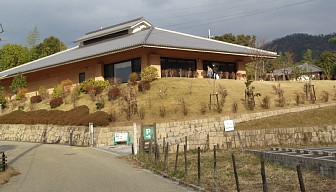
[7, 147]
[23, 153]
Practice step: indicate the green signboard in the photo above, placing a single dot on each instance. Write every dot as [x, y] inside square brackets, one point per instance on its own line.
[148, 133]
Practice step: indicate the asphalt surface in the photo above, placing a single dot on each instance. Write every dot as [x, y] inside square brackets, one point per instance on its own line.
[46, 167]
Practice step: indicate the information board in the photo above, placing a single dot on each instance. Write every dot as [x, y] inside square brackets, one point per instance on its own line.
[228, 125]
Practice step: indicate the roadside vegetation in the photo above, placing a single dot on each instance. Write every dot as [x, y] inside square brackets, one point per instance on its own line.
[6, 175]
[278, 178]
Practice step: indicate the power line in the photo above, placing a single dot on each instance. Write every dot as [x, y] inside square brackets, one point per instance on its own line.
[242, 16]
[256, 12]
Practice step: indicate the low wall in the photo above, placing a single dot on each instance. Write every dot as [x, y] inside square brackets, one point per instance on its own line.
[45, 134]
[201, 132]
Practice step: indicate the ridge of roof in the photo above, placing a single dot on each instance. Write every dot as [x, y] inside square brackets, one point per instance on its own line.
[116, 25]
[111, 29]
[216, 41]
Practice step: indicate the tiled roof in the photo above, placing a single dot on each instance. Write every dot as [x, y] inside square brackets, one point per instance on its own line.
[153, 37]
[305, 68]
[163, 37]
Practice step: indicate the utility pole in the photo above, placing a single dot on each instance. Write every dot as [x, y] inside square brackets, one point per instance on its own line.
[1, 30]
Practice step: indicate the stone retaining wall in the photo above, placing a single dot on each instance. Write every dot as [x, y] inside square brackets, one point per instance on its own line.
[204, 132]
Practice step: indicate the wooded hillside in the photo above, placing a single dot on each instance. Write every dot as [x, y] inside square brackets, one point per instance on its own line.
[299, 43]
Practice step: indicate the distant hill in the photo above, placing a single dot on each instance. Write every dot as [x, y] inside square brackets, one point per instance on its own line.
[299, 43]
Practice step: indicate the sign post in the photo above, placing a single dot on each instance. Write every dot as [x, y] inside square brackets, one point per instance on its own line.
[122, 138]
[135, 140]
[91, 133]
[228, 125]
[148, 135]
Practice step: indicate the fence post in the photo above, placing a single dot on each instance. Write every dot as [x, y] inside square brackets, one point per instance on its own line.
[208, 142]
[299, 173]
[166, 157]
[235, 172]
[185, 160]
[177, 153]
[155, 153]
[198, 165]
[150, 151]
[215, 169]
[71, 133]
[164, 145]
[263, 174]
[3, 161]
[158, 152]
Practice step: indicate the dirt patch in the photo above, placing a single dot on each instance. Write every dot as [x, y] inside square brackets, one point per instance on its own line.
[7, 175]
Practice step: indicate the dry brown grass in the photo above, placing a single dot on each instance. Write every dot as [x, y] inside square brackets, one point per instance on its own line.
[194, 92]
[279, 178]
[7, 175]
[320, 117]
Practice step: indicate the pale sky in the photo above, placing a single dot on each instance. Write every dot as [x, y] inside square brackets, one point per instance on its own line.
[70, 19]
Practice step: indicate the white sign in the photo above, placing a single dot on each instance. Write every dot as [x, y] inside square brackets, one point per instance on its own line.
[228, 125]
[120, 137]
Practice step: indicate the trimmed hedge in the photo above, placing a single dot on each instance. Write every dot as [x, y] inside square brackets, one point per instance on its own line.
[56, 102]
[36, 99]
[77, 117]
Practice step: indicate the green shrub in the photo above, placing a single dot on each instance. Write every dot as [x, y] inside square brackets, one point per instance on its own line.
[87, 85]
[144, 85]
[99, 106]
[36, 99]
[43, 92]
[58, 91]
[149, 73]
[3, 100]
[19, 82]
[56, 102]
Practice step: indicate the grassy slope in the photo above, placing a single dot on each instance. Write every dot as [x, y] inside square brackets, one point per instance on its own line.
[178, 88]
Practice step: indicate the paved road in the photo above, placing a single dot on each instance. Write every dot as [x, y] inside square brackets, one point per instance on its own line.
[53, 168]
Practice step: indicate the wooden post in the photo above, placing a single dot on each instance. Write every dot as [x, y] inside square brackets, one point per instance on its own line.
[177, 153]
[185, 160]
[186, 141]
[263, 174]
[158, 152]
[164, 145]
[215, 170]
[150, 151]
[299, 173]
[198, 165]
[155, 152]
[235, 172]
[208, 142]
[133, 149]
[166, 157]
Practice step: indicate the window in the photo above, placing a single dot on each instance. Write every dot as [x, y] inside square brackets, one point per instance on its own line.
[222, 66]
[81, 77]
[105, 37]
[172, 63]
[122, 69]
